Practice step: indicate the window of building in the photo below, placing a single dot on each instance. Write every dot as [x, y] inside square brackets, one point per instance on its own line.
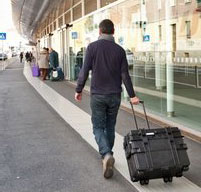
[172, 3]
[48, 30]
[55, 25]
[67, 5]
[186, 55]
[160, 39]
[188, 29]
[187, 1]
[106, 2]
[60, 21]
[54, 14]
[61, 9]
[51, 28]
[90, 6]
[67, 18]
[76, 1]
[160, 32]
[77, 12]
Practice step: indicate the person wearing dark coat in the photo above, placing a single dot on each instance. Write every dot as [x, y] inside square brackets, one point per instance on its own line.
[53, 58]
[27, 56]
[21, 57]
[108, 63]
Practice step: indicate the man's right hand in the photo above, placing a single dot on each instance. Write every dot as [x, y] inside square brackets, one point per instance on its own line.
[78, 96]
[135, 100]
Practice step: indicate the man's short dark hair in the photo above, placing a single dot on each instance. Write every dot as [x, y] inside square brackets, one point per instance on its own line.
[106, 26]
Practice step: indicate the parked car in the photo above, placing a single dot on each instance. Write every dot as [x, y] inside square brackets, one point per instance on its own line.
[3, 56]
[14, 54]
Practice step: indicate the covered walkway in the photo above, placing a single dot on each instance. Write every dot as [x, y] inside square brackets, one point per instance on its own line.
[48, 151]
[60, 95]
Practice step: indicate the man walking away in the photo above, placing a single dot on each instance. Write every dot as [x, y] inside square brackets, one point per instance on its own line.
[21, 57]
[109, 66]
[27, 56]
[53, 58]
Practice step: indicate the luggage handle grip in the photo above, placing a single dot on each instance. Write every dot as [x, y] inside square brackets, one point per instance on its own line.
[134, 116]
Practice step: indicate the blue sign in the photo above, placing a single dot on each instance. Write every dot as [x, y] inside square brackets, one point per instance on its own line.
[121, 40]
[74, 35]
[146, 38]
[2, 36]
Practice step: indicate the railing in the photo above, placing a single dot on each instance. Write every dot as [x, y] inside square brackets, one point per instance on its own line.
[187, 71]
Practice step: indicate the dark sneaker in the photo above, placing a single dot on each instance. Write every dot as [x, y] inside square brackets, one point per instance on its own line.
[108, 164]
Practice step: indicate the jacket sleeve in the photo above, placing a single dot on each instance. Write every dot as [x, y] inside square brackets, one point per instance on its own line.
[126, 77]
[54, 57]
[84, 72]
[56, 60]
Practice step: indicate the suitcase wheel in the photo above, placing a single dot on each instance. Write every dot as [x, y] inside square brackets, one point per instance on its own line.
[185, 168]
[170, 179]
[167, 179]
[144, 181]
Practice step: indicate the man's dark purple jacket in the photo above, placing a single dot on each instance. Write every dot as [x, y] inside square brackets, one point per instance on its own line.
[109, 66]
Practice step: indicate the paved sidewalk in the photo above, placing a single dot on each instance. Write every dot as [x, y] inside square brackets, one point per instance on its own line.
[125, 124]
[39, 151]
[80, 121]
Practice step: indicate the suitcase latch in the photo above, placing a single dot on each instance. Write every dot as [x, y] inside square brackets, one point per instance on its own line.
[150, 134]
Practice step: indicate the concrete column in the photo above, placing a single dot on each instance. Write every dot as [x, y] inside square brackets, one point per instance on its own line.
[71, 14]
[169, 62]
[160, 75]
[50, 41]
[83, 8]
[98, 4]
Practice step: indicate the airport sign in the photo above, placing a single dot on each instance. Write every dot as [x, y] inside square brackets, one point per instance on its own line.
[2, 36]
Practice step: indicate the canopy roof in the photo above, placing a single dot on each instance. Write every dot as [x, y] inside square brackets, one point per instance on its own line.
[28, 13]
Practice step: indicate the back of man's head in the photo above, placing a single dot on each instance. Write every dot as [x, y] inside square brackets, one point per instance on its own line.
[106, 26]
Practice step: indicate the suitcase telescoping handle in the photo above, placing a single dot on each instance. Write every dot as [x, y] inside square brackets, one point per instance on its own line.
[134, 116]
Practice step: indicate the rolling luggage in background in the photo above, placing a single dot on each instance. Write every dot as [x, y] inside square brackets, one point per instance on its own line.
[35, 70]
[57, 74]
[155, 153]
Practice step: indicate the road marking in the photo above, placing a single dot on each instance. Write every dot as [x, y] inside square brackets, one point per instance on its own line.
[81, 122]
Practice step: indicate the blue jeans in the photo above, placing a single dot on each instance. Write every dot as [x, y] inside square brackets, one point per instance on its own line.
[104, 113]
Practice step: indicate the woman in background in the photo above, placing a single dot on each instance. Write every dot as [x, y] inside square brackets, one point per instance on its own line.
[43, 63]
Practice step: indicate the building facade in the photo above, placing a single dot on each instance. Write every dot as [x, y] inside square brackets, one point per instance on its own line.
[162, 40]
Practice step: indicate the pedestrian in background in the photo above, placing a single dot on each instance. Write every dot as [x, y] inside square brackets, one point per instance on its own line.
[30, 56]
[35, 55]
[43, 63]
[109, 66]
[21, 57]
[27, 56]
[53, 58]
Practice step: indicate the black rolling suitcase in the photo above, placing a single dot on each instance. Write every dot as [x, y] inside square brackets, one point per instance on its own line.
[155, 153]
